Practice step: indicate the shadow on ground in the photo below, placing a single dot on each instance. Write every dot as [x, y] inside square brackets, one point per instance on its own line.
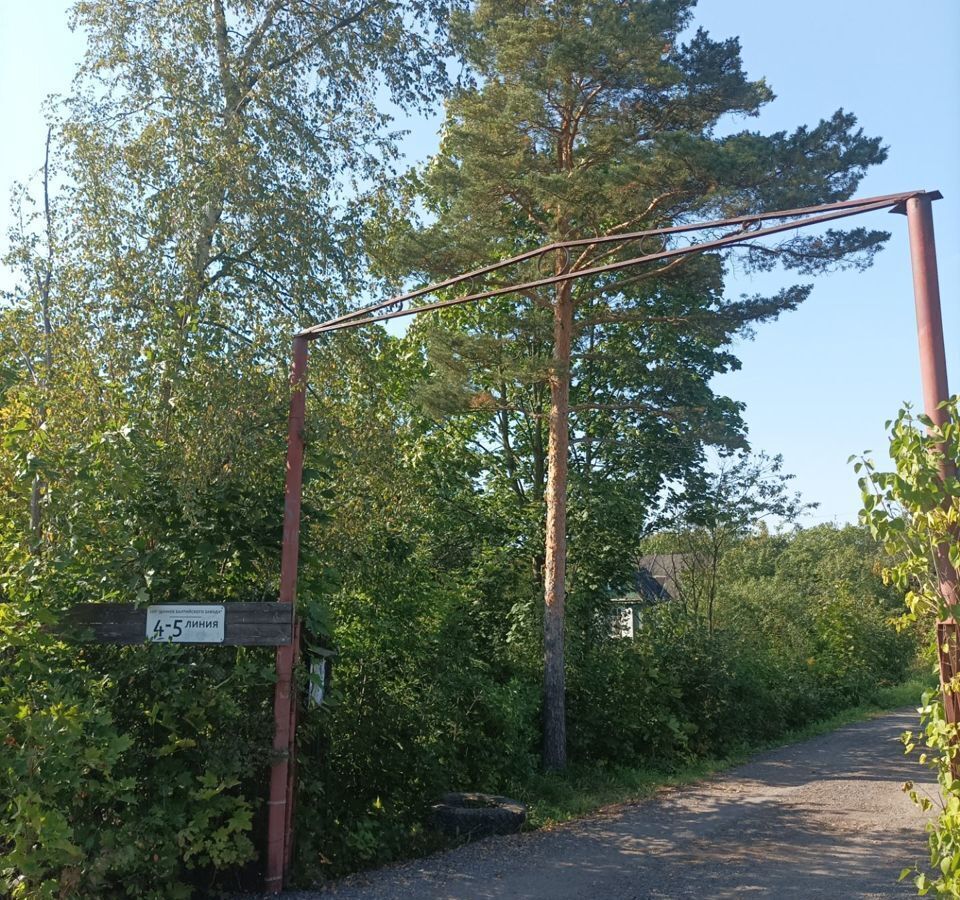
[823, 818]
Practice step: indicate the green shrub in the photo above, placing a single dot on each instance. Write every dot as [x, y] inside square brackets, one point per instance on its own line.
[420, 707]
[128, 771]
[140, 771]
[915, 511]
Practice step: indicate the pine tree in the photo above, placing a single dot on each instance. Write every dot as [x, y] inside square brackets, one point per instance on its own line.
[587, 118]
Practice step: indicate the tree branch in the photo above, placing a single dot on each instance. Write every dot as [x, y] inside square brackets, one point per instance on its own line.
[677, 414]
[585, 258]
[298, 54]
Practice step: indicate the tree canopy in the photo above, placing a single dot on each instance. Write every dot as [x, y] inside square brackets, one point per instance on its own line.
[221, 175]
[587, 119]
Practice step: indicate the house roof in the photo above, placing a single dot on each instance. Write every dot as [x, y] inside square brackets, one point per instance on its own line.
[655, 579]
[648, 587]
[666, 568]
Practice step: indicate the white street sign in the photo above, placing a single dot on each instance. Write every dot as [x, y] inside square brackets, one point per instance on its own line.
[185, 624]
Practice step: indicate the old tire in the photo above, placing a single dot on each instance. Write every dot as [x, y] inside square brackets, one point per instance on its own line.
[471, 815]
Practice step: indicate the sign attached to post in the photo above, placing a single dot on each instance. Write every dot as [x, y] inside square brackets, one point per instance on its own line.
[230, 624]
[186, 624]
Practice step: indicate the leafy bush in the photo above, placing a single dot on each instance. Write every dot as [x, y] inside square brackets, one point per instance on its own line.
[140, 771]
[419, 707]
[131, 771]
[915, 511]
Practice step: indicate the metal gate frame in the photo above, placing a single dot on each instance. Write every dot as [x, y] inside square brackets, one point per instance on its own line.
[916, 205]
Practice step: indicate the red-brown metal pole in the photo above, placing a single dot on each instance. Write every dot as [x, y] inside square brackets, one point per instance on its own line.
[926, 289]
[933, 374]
[280, 804]
[292, 767]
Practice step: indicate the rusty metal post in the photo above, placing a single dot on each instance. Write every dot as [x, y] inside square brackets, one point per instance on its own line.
[282, 781]
[933, 374]
[292, 767]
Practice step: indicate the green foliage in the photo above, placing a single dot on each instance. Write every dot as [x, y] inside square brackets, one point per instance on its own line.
[216, 159]
[939, 737]
[820, 601]
[586, 122]
[419, 705]
[589, 119]
[436, 686]
[128, 771]
[712, 510]
[212, 159]
[436, 678]
[915, 511]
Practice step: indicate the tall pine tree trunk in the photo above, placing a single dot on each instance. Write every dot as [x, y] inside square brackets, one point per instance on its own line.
[554, 686]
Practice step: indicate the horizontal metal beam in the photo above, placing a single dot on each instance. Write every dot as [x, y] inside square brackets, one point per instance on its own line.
[366, 315]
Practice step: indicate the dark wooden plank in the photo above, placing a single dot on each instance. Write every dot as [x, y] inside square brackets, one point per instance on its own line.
[252, 613]
[261, 636]
[245, 624]
[104, 613]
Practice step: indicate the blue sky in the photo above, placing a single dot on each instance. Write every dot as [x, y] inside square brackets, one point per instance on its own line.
[819, 383]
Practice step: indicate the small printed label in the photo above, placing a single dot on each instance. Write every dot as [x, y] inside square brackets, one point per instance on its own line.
[185, 624]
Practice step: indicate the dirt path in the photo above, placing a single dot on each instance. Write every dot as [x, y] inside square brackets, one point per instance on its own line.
[824, 818]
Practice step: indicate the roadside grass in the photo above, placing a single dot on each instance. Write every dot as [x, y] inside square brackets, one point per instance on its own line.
[584, 789]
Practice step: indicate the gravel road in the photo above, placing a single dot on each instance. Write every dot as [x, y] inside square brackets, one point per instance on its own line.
[823, 818]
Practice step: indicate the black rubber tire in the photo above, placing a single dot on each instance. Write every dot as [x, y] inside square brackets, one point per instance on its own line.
[470, 815]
